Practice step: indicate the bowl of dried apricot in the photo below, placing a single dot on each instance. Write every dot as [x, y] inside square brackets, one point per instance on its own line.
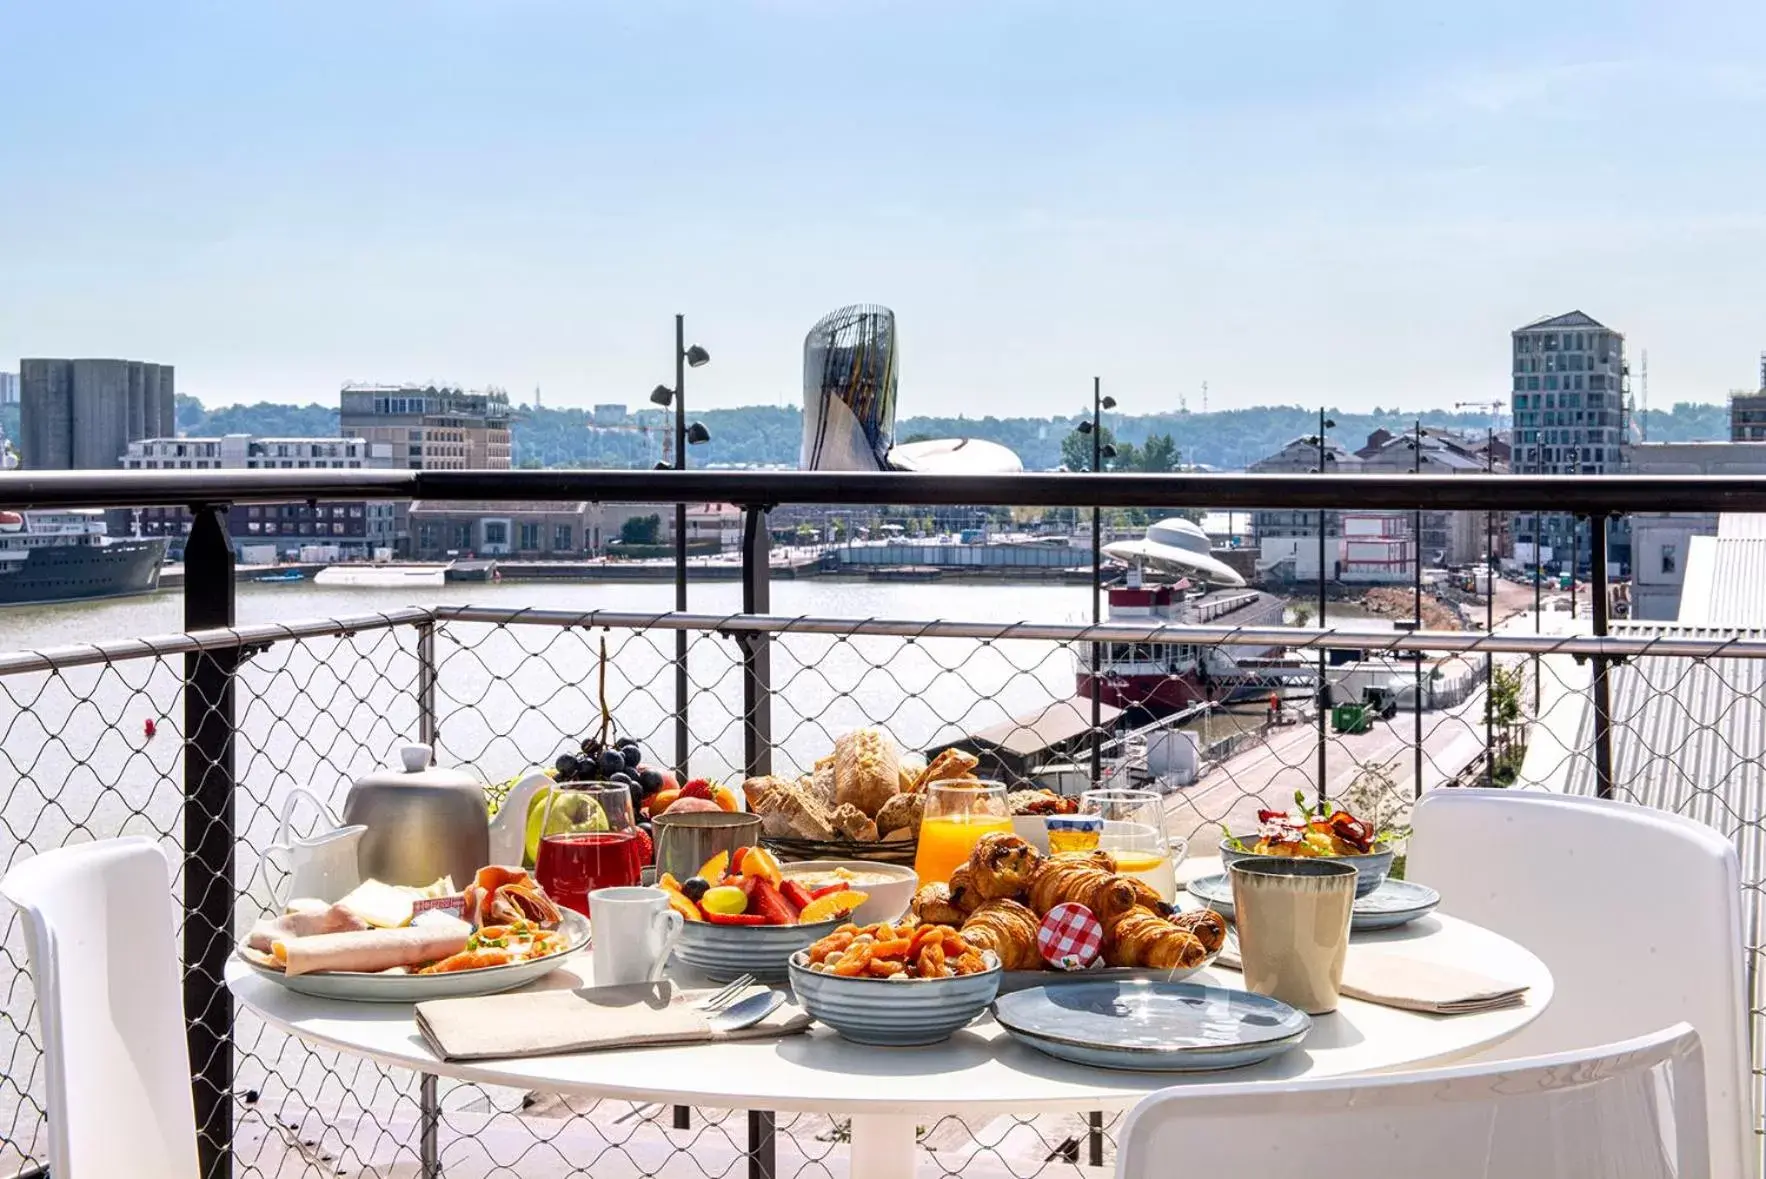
[897, 984]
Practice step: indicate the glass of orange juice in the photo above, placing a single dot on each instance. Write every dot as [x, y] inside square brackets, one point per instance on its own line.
[1134, 833]
[957, 815]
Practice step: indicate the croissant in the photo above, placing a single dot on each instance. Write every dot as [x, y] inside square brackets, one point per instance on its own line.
[1143, 938]
[1002, 865]
[1146, 897]
[1106, 894]
[1208, 927]
[931, 904]
[1009, 930]
[963, 892]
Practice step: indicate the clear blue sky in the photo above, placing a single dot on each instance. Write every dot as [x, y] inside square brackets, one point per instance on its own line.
[1351, 202]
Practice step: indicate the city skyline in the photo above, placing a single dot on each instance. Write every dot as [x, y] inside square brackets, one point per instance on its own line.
[1293, 205]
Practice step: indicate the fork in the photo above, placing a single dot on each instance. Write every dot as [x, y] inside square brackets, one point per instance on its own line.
[717, 1001]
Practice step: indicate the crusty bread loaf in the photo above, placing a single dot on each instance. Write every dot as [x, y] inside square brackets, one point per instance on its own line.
[852, 823]
[904, 810]
[789, 811]
[867, 770]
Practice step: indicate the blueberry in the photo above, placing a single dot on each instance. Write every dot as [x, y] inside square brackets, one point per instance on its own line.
[695, 887]
[612, 761]
[567, 767]
[633, 755]
[650, 779]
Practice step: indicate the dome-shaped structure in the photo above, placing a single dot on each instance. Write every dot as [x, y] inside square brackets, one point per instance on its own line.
[1179, 548]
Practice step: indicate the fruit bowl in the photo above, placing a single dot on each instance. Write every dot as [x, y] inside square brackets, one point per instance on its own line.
[726, 952]
[897, 1012]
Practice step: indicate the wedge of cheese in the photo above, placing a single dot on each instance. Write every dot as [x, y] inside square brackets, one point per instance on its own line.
[388, 906]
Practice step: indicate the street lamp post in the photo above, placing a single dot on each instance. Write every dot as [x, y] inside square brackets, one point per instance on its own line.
[1416, 468]
[1099, 452]
[1489, 617]
[1324, 457]
[685, 357]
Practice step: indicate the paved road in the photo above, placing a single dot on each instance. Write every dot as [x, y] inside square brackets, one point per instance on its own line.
[1268, 774]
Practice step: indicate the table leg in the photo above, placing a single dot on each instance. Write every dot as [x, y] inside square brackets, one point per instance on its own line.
[883, 1146]
[429, 1128]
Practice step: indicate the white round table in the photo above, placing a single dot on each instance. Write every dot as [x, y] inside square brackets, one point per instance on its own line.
[980, 1070]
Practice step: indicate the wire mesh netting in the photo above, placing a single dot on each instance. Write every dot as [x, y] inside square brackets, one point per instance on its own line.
[503, 691]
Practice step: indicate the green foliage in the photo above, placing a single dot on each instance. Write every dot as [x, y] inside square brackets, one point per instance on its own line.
[641, 529]
[263, 418]
[1076, 449]
[765, 435]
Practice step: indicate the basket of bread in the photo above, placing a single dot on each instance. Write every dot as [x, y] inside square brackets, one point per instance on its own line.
[1071, 913]
[861, 802]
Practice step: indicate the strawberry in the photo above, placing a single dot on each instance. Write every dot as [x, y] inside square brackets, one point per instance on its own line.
[765, 900]
[646, 846]
[697, 788]
[838, 886]
[736, 919]
[794, 892]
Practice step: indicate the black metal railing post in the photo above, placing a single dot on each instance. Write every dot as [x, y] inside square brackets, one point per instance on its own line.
[209, 833]
[757, 659]
[1603, 703]
[757, 750]
[427, 731]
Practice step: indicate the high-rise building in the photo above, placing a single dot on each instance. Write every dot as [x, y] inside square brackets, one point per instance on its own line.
[1747, 412]
[8, 388]
[81, 415]
[1571, 418]
[431, 427]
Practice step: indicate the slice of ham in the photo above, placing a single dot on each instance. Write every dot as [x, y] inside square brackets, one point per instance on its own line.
[304, 921]
[372, 949]
[499, 895]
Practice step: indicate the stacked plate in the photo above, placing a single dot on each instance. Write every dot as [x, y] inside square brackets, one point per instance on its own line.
[1393, 903]
[1151, 1026]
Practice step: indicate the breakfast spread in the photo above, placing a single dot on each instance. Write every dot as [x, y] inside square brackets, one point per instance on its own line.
[758, 892]
[1001, 895]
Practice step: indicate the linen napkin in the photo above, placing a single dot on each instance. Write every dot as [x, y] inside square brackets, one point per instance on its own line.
[592, 1019]
[1392, 980]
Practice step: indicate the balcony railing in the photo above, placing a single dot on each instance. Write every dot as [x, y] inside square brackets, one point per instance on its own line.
[245, 713]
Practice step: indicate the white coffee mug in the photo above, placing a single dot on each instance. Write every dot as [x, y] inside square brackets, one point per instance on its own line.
[633, 931]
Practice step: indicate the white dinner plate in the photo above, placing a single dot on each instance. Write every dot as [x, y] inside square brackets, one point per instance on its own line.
[361, 987]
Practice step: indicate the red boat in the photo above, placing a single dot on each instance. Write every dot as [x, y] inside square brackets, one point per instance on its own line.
[1157, 679]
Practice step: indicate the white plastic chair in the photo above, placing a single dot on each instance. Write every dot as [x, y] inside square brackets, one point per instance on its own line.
[1621, 1111]
[1636, 911]
[98, 922]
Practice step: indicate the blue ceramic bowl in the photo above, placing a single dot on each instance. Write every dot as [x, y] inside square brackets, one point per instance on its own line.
[895, 1014]
[1370, 869]
[725, 952]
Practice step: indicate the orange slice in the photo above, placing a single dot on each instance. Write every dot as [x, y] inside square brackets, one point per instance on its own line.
[835, 904]
[687, 909]
[758, 861]
[668, 883]
[713, 869]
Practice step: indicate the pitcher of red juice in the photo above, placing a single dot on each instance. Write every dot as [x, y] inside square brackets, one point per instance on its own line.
[588, 840]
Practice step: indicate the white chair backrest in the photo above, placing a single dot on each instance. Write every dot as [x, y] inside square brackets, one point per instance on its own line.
[1633, 1110]
[98, 922]
[1636, 911]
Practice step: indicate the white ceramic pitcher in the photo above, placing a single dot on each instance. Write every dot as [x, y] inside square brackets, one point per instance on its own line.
[321, 865]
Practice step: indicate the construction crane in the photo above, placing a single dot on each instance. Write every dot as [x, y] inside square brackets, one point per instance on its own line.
[1493, 408]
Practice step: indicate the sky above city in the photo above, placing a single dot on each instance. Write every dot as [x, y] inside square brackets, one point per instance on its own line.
[1295, 202]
